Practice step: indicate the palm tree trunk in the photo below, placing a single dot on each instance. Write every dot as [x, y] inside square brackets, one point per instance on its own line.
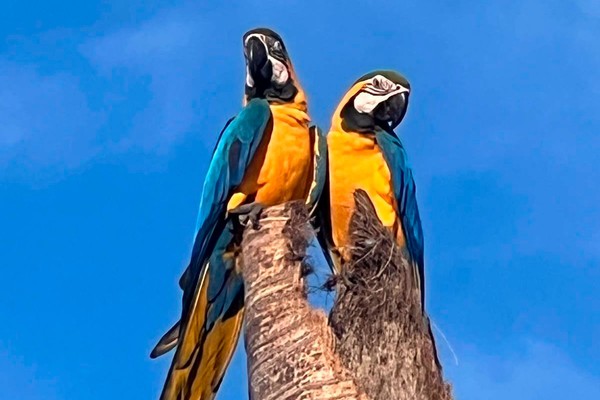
[289, 345]
[383, 336]
[376, 344]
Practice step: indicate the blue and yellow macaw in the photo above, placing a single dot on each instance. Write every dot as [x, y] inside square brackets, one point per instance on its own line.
[267, 155]
[365, 153]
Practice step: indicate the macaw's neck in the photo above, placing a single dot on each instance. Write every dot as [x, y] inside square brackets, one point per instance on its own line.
[352, 128]
[299, 100]
[349, 138]
[294, 112]
[347, 119]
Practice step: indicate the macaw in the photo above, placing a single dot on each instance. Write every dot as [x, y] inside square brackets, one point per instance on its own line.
[365, 153]
[268, 154]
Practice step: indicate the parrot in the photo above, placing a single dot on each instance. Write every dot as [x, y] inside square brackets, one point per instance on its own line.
[266, 155]
[365, 153]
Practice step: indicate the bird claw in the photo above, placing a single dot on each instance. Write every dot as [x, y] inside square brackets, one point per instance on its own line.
[248, 214]
[346, 279]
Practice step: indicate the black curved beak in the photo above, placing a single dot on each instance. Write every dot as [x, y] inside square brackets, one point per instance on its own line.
[390, 113]
[399, 105]
[258, 60]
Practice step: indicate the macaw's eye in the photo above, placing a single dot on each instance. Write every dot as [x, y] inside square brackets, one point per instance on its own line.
[277, 46]
[376, 83]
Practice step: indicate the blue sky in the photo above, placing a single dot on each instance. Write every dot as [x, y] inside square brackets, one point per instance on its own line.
[109, 112]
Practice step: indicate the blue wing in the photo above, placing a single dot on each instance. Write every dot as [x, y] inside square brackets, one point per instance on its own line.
[212, 289]
[406, 199]
[232, 155]
[321, 207]
[318, 202]
[319, 168]
[235, 148]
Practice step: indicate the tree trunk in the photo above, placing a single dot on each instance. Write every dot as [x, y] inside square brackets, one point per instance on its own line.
[383, 336]
[289, 345]
[379, 345]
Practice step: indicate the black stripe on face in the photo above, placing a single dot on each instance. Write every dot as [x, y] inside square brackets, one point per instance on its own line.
[374, 91]
[389, 74]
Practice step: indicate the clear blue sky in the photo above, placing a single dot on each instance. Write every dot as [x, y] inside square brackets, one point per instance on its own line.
[108, 115]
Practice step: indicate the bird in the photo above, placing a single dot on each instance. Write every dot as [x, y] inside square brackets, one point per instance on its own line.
[268, 154]
[364, 152]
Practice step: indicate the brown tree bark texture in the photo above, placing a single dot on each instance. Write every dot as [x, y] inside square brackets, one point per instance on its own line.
[289, 345]
[382, 335]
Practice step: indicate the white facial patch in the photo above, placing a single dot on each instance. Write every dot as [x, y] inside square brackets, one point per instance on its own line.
[280, 72]
[365, 102]
[377, 90]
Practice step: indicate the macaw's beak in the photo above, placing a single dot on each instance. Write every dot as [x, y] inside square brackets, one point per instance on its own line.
[391, 112]
[258, 60]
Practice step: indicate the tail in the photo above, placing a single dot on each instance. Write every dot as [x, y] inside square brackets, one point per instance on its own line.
[206, 343]
[166, 343]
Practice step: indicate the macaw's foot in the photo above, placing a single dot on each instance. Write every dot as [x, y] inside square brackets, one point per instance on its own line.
[343, 276]
[334, 281]
[248, 213]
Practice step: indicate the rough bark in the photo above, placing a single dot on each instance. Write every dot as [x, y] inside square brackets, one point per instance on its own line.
[378, 344]
[382, 335]
[289, 345]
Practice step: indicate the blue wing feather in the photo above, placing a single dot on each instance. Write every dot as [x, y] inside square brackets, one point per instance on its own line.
[320, 203]
[320, 168]
[210, 260]
[232, 155]
[406, 198]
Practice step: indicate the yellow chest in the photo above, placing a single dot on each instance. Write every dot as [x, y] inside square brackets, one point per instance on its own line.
[356, 162]
[282, 167]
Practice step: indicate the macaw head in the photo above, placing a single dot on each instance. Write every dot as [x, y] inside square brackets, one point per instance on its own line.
[377, 99]
[269, 71]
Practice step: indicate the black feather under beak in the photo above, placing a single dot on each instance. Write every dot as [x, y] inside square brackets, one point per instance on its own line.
[391, 112]
[258, 60]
